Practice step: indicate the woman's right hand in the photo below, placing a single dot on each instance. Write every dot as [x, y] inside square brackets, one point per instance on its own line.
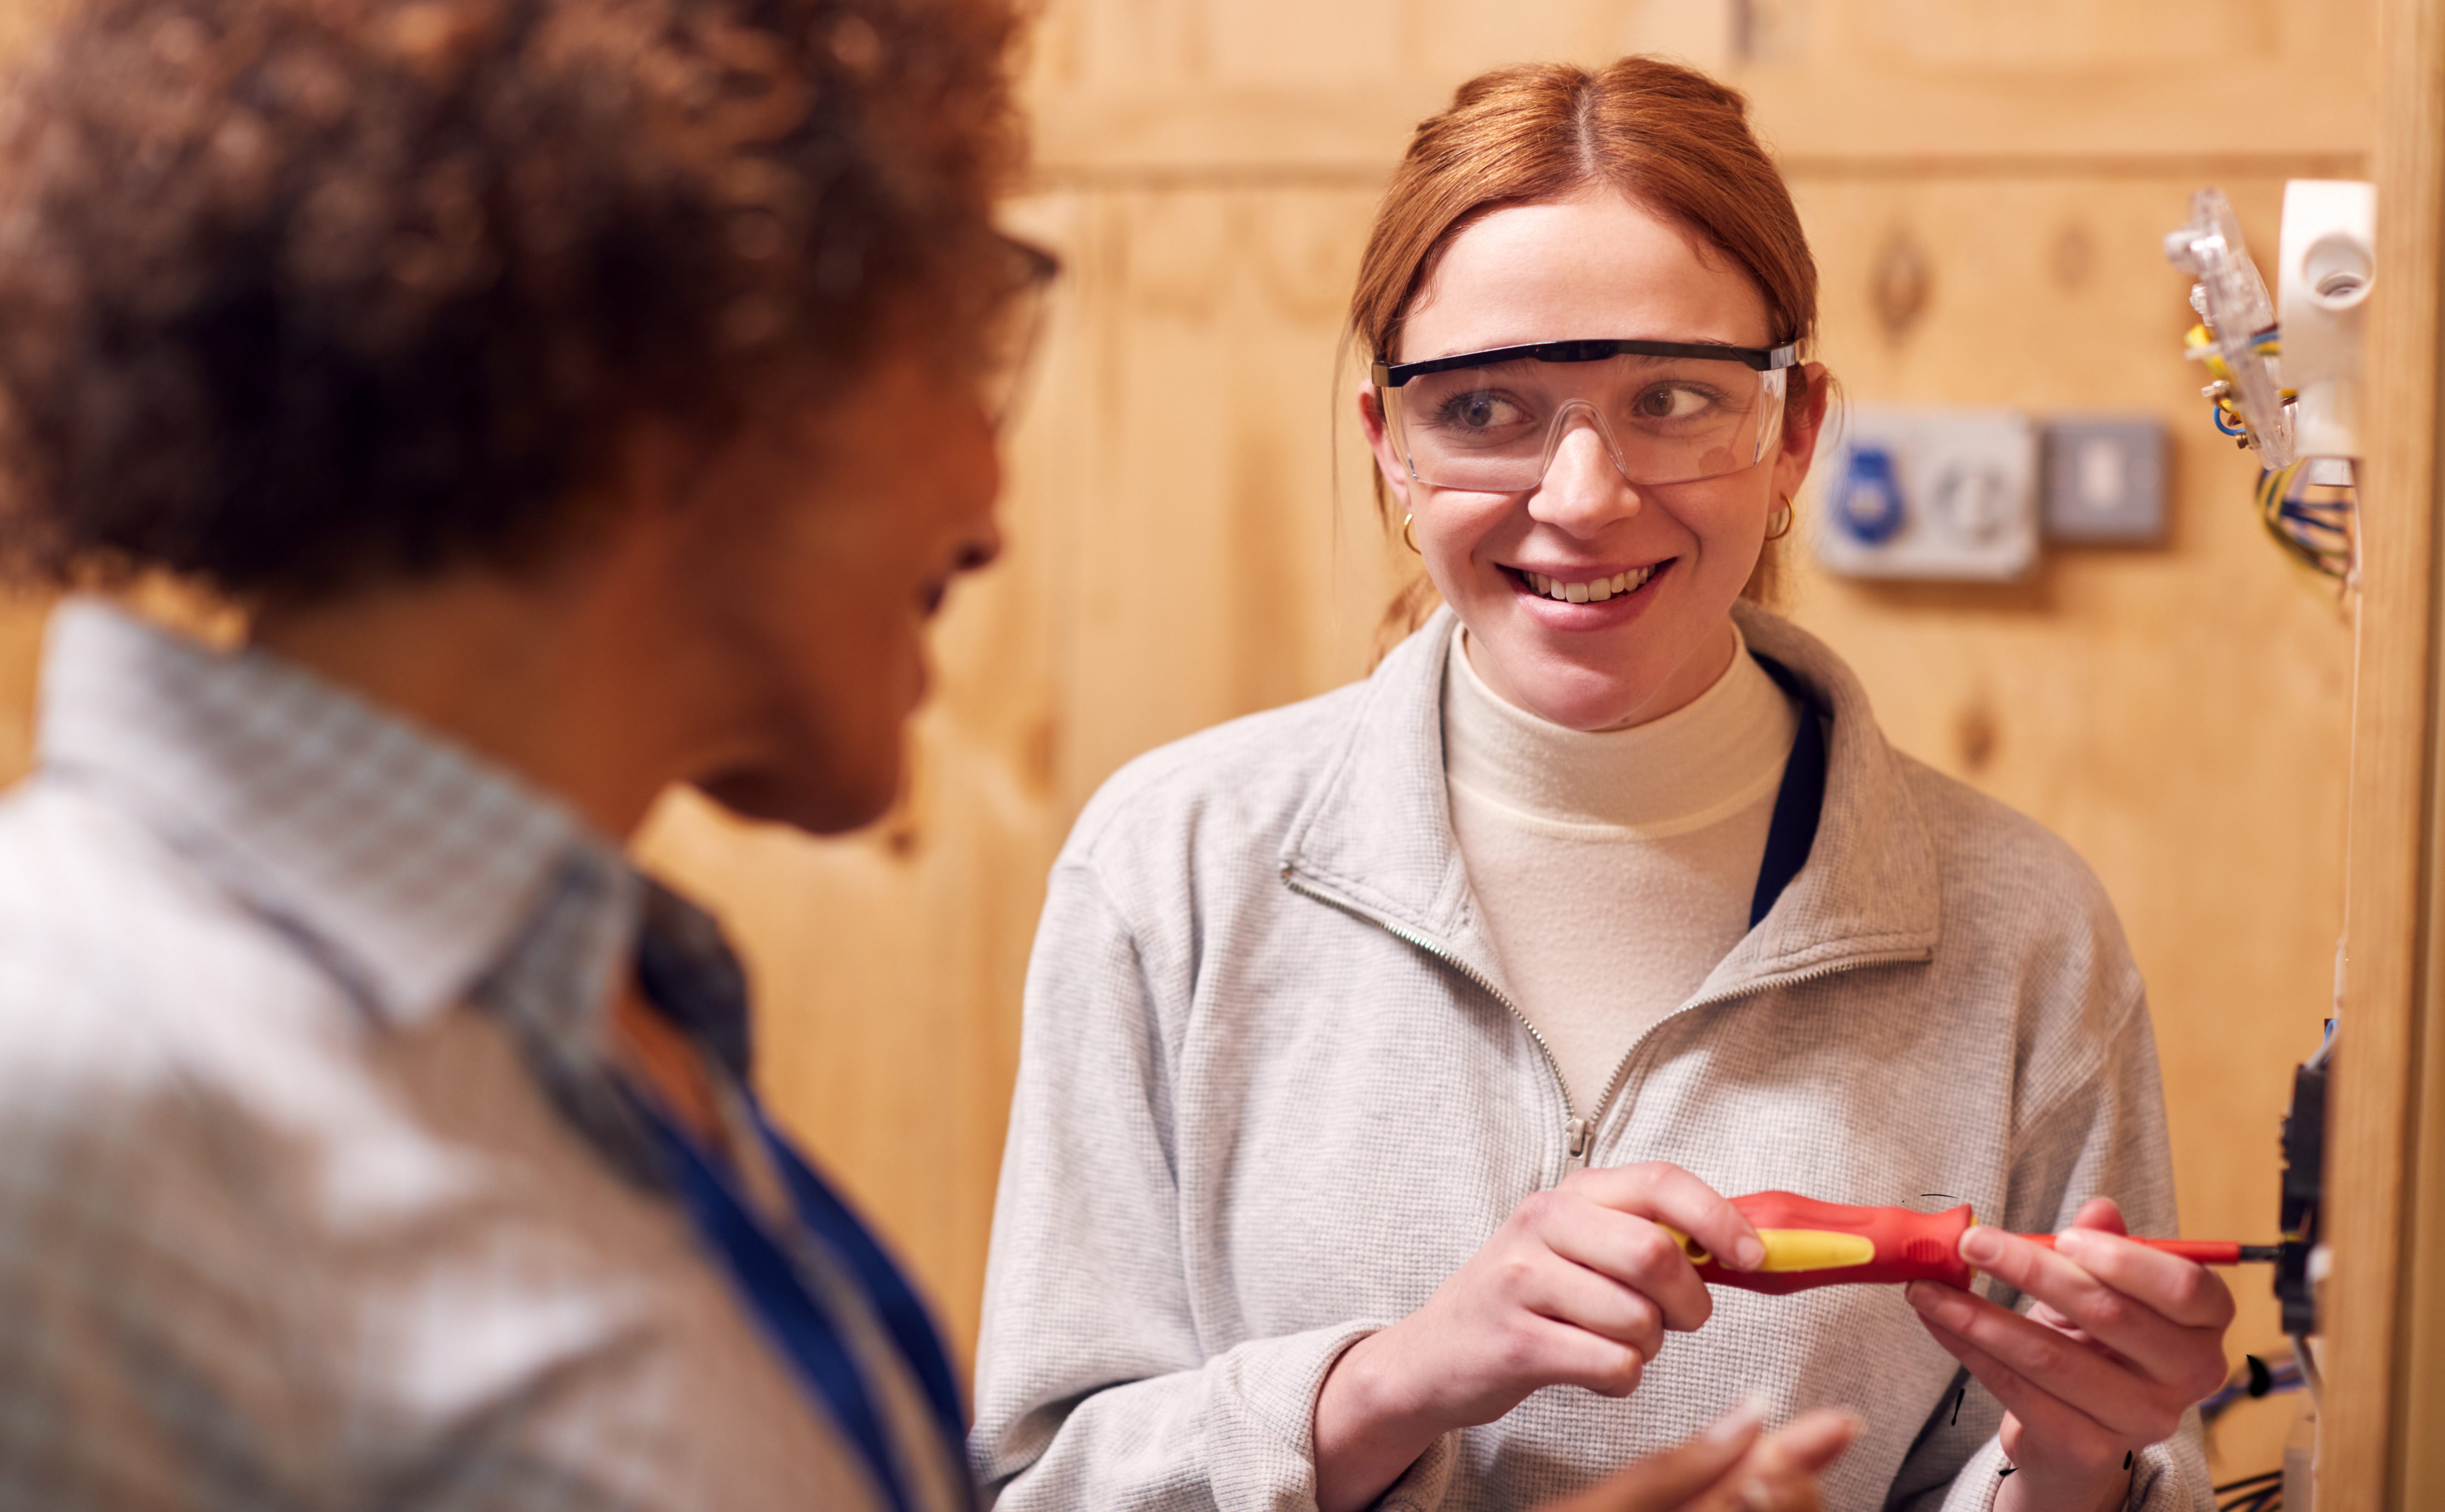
[1576, 1288]
[1731, 1467]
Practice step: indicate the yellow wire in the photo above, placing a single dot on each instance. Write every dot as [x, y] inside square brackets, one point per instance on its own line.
[2270, 493]
[2276, 486]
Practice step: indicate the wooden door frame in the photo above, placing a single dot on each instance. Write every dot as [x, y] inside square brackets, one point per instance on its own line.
[2387, 1145]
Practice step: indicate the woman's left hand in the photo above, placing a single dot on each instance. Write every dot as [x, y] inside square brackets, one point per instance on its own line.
[2121, 1340]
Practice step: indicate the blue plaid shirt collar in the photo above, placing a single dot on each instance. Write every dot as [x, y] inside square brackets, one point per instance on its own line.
[415, 871]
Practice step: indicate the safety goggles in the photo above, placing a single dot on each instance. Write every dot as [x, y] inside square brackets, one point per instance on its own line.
[1015, 330]
[1667, 412]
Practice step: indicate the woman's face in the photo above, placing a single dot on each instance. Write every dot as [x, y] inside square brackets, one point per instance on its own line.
[1594, 266]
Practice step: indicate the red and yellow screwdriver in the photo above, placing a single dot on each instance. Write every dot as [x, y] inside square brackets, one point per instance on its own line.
[1809, 1244]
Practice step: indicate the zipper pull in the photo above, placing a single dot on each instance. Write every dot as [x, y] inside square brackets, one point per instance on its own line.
[1578, 1141]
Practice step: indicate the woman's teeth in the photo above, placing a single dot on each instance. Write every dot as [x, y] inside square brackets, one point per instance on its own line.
[1594, 592]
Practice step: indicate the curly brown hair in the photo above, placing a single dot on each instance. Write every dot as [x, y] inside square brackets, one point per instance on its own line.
[297, 293]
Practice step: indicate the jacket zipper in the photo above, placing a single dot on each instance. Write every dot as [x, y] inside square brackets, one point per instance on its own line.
[1621, 1069]
[1579, 1133]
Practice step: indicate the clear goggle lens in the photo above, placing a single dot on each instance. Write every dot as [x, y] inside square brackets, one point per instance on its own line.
[1494, 428]
[1014, 330]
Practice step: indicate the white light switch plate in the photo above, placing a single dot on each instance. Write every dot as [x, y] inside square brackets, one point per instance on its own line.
[2105, 480]
[1936, 495]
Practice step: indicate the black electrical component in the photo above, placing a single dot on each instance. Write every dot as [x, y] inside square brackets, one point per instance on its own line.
[2305, 1174]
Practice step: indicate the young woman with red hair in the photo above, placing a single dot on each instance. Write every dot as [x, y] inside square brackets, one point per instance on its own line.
[1373, 1044]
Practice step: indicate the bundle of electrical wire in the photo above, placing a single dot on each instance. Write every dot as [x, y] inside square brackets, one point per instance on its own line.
[2257, 1378]
[2263, 1492]
[2314, 531]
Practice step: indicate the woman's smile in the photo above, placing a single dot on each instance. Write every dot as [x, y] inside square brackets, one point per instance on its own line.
[1587, 598]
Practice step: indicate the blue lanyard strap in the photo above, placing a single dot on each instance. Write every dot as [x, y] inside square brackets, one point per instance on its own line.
[691, 978]
[903, 1312]
[793, 1317]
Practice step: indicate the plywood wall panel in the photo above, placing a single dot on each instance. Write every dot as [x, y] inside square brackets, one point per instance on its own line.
[1212, 575]
[1180, 554]
[1157, 85]
[20, 637]
[2179, 714]
[2385, 1179]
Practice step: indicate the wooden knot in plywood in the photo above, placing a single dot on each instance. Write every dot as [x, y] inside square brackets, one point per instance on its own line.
[1900, 283]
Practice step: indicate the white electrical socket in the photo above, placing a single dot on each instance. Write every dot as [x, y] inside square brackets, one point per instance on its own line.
[2324, 274]
[1936, 495]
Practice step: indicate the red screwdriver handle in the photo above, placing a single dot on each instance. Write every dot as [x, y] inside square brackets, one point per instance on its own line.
[1811, 1243]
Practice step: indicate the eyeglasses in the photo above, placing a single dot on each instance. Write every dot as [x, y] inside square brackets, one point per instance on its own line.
[1017, 328]
[1667, 412]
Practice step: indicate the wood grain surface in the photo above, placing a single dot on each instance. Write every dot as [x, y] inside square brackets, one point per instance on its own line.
[2381, 1449]
[1191, 540]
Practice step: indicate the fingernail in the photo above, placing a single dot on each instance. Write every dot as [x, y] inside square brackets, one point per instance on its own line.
[2071, 1244]
[1737, 1423]
[1757, 1497]
[1982, 1247]
[1919, 1294]
[1751, 1253]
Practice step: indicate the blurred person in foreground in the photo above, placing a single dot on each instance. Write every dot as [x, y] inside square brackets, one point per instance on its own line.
[572, 397]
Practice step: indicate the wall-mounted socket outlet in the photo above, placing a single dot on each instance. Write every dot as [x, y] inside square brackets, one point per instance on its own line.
[1938, 495]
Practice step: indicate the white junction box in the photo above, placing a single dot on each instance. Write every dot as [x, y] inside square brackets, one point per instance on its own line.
[1930, 493]
[2324, 274]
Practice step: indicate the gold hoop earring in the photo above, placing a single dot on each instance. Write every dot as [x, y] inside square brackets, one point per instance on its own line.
[1409, 533]
[1778, 524]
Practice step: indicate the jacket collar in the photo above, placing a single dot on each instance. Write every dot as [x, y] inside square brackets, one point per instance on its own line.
[1377, 836]
[410, 867]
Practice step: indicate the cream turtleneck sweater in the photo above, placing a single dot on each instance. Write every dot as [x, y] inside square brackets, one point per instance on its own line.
[1612, 870]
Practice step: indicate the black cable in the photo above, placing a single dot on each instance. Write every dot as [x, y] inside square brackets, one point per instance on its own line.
[2256, 1497]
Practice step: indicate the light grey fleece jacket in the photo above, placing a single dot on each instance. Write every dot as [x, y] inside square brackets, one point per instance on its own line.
[1271, 1095]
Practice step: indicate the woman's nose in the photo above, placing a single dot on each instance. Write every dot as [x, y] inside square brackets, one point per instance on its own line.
[1584, 490]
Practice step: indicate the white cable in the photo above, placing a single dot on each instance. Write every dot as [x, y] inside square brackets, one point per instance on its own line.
[2309, 1377]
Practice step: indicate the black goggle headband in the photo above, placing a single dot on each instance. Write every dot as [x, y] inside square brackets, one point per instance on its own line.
[1762, 359]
